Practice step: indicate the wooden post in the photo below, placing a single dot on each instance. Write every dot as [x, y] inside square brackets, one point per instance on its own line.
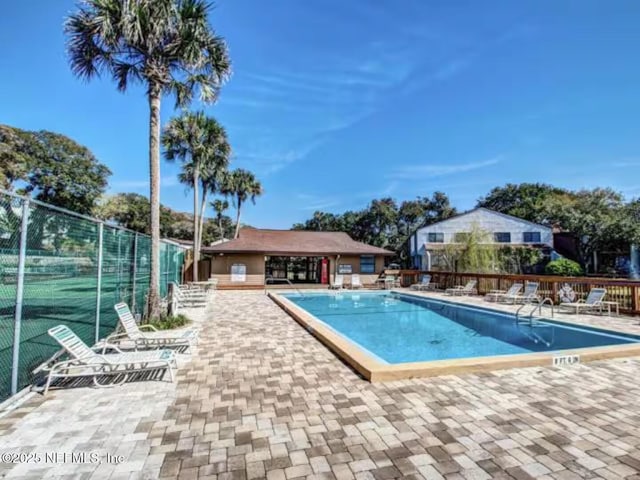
[634, 299]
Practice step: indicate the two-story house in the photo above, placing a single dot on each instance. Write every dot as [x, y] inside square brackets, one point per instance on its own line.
[501, 229]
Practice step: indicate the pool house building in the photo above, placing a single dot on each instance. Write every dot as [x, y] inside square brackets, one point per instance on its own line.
[259, 257]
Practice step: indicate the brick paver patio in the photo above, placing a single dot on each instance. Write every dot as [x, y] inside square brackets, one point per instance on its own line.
[261, 398]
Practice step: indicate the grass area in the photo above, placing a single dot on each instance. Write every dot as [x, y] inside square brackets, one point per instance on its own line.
[166, 322]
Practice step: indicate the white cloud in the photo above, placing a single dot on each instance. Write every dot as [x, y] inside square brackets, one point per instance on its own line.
[328, 203]
[276, 160]
[408, 172]
[317, 202]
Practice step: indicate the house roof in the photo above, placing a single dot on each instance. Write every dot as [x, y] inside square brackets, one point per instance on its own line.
[295, 242]
[493, 212]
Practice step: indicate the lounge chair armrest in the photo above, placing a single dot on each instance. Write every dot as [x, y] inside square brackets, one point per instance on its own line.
[65, 364]
[497, 291]
[102, 346]
[113, 336]
[148, 326]
[47, 363]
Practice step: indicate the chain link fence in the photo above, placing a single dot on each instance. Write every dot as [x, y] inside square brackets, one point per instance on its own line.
[57, 267]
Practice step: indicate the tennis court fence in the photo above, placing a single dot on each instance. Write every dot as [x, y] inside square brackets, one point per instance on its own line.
[59, 267]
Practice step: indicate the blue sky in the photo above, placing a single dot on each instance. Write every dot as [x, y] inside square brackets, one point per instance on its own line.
[333, 102]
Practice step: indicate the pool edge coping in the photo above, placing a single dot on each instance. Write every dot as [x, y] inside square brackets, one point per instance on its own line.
[374, 371]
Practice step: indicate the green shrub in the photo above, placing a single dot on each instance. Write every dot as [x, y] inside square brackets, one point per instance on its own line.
[564, 267]
[166, 322]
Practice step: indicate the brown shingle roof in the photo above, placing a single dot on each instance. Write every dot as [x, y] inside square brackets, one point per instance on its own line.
[295, 242]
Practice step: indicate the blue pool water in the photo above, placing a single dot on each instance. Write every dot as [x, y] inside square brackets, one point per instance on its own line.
[401, 328]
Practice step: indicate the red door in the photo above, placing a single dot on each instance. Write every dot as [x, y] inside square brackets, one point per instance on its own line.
[324, 271]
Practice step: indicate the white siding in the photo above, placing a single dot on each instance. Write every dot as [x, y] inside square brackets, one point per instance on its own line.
[486, 220]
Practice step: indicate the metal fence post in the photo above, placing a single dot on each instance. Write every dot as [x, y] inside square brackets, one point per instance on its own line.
[99, 292]
[135, 272]
[19, 296]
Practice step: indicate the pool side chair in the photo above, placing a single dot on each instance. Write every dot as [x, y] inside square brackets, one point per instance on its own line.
[529, 295]
[189, 298]
[153, 339]
[192, 291]
[85, 361]
[356, 283]
[497, 295]
[593, 302]
[338, 283]
[425, 283]
[468, 289]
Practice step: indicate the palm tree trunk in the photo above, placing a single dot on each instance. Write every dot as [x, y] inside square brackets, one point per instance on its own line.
[238, 219]
[220, 225]
[196, 249]
[201, 219]
[154, 177]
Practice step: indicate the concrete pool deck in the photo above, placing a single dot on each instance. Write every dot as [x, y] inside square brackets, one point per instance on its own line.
[262, 398]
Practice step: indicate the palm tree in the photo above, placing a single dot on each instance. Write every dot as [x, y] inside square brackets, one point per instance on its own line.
[212, 181]
[169, 47]
[241, 185]
[220, 206]
[200, 143]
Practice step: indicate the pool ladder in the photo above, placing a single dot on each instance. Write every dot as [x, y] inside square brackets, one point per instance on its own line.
[520, 318]
[531, 322]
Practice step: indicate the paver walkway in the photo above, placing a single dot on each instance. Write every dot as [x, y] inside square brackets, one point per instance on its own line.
[263, 399]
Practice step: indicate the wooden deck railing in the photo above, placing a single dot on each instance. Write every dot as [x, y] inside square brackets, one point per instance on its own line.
[625, 292]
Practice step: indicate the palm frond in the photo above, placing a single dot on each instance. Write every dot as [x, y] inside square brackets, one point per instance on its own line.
[168, 44]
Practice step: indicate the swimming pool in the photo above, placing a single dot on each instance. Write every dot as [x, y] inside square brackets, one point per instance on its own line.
[389, 329]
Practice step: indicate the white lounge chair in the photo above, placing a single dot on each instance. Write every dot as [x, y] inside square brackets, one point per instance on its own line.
[192, 290]
[497, 295]
[338, 282]
[592, 303]
[153, 339]
[529, 295]
[190, 297]
[425, 284]
[468, 289]
[355, 281]
[85, 361]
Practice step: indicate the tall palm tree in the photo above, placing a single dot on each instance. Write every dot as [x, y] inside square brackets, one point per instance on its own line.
[220, 206]
[200, 143]
[241, 185]
[169, 47]
[212, 181]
